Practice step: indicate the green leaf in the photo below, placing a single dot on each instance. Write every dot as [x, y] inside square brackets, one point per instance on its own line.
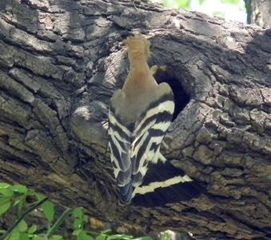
[56, 237]
[37, 237]
[4, 185]
[33, 229]
[78, 213]
[15, 235]
[23, 226]
[119, 236]
[84, 236]
[101, 236]
[49, 210]
[20, 202]
[6, 191]
[5, 205]
[76, 232]
[77, 224]
[143, 238]
[24, 236]
[39, 196]
[19, 188]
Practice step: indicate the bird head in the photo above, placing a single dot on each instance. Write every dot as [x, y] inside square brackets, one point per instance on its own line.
[138, 45]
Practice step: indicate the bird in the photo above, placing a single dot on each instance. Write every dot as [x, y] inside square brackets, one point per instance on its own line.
[139, 116]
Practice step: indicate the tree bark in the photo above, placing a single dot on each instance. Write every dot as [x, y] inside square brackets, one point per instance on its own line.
[259, 12]
[61, 61]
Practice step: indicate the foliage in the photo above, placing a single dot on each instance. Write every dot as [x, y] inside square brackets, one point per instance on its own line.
[23, 202]
[227, 9]
[186, 4]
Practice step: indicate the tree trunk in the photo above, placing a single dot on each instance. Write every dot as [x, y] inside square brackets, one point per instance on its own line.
[61, 61]
[259, 12]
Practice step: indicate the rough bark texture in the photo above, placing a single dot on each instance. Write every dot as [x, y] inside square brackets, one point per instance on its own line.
[61, 61]
[259, 12]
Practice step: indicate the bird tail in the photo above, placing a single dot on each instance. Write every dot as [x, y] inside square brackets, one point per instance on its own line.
[165, 184]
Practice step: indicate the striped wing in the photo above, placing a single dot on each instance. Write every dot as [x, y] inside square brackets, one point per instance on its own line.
[119, 144]
[149, 132]
[133, 147]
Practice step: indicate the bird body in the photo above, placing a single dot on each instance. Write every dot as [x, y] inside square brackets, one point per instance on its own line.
[140, 114]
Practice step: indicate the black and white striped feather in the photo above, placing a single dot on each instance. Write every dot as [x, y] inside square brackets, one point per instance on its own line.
[164, 184]
[134, 145]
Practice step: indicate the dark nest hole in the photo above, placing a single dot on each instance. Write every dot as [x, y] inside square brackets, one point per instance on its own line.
[181, 97]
